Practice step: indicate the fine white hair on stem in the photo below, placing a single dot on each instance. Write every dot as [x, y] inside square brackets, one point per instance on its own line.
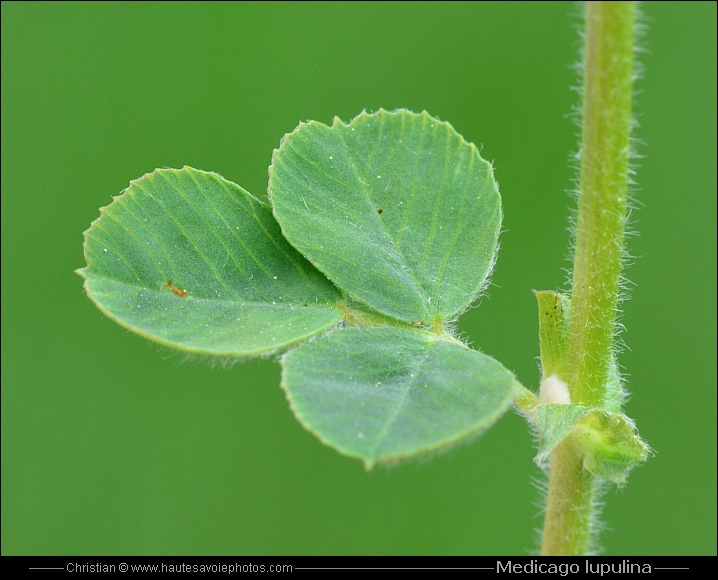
[576, 114]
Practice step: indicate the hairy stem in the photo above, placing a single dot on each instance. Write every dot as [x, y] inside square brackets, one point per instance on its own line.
[605, 143]
[567, 528]
[603, 184]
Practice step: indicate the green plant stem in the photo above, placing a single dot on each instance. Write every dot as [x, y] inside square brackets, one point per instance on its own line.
[567, 528]
[603, 185]
[606, 130]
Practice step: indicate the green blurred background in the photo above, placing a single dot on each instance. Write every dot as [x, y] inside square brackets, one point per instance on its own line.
[112, 445]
